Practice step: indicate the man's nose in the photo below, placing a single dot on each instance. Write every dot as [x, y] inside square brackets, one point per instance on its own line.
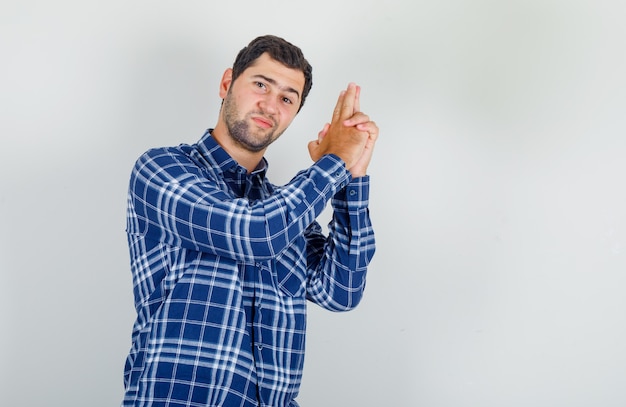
[268, 104]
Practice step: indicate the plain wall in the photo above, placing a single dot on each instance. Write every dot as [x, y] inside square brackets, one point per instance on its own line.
[498, 192]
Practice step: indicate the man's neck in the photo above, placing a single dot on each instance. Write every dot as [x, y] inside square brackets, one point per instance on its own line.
[247, 159]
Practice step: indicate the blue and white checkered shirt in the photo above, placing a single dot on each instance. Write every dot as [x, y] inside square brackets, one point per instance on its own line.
[223, 263]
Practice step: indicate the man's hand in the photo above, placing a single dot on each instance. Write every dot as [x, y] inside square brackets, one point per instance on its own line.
[346, 142]
[351, 135]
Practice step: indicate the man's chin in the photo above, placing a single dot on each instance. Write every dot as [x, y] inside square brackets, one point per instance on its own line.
[255, 145]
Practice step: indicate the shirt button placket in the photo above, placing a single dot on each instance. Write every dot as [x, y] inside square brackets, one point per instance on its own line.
[258, 312]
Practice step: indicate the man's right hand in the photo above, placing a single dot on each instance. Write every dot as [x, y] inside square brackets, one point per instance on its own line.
[352, 134]
[346, 142]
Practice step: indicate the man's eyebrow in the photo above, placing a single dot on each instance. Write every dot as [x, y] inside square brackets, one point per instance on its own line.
[273, 82]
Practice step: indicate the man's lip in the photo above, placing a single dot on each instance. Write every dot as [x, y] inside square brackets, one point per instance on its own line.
[265, 123]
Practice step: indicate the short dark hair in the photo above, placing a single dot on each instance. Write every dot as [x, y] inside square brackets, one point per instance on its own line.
[279, 50]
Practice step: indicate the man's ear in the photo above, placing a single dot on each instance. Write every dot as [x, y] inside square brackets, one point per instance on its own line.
[225, 83]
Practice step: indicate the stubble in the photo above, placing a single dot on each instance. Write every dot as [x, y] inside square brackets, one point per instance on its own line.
[253, 140]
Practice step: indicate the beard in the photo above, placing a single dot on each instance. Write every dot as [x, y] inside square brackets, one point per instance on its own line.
[240, 131]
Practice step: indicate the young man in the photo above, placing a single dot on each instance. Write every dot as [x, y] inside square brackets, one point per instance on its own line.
[223, 261]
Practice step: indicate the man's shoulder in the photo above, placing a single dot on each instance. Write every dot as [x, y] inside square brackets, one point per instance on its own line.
[170, 151]
[175, 160]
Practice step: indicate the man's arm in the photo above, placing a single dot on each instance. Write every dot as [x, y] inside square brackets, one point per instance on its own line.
[171, 201]
[338, 264]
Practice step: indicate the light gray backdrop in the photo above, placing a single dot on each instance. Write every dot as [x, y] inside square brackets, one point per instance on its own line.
[498, 190]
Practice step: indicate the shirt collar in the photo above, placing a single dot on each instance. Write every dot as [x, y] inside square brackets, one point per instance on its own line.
[217, 157]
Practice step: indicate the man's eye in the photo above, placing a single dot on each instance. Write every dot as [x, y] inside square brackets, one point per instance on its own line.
[287, 100]
[260, 85]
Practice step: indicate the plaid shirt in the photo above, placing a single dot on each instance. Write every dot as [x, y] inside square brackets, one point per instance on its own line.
[223, 263]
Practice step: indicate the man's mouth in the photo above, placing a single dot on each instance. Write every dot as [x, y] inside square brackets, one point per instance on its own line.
[263, 122]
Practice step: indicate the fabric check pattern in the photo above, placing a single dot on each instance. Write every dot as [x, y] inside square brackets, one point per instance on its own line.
[223, 263]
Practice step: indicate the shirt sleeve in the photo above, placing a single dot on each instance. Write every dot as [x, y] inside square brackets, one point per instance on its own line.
[172, 200]
[338, 263]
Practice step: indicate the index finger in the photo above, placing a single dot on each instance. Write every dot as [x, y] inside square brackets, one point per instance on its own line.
[337, 110]
[349, 100]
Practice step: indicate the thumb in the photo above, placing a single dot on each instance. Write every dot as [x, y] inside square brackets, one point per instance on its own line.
[314, 149]
[323, 132]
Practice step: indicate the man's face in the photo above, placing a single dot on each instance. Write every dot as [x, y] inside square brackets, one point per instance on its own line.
[261, 103]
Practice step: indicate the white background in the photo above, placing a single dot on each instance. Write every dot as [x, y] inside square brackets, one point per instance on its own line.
[498, 194]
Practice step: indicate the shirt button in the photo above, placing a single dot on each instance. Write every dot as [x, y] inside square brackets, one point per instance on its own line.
[259, 346]
[352, 192]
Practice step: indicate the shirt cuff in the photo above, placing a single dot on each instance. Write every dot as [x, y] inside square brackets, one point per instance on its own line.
[355, 195]
[334, 169]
